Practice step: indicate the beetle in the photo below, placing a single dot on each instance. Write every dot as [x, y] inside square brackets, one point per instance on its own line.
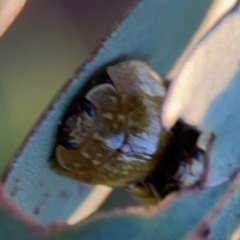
[115, 138]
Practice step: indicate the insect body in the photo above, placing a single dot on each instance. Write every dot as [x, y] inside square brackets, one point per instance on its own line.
[116, 138]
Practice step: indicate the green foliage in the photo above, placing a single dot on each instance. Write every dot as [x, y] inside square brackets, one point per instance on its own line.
[190, 212]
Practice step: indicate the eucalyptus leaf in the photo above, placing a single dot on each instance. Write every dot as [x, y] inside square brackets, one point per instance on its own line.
[212, 213]
[207, 86]
[154, 31]
[195, 213]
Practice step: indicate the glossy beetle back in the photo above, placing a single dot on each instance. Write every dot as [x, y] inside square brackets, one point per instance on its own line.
[125, 139]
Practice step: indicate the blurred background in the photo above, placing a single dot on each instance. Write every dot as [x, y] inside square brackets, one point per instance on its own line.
[39, 52]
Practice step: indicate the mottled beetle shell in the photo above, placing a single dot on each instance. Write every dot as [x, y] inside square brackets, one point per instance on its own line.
[123, 140]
